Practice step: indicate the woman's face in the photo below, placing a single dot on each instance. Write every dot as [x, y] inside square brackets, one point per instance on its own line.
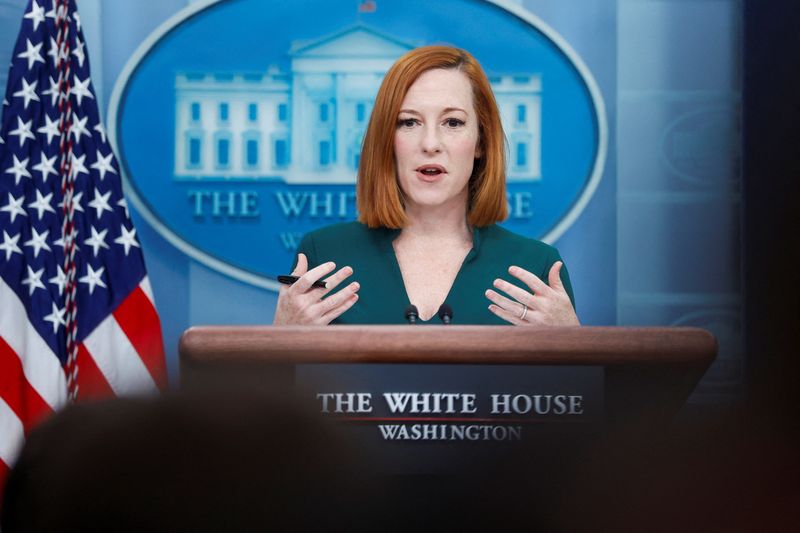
[436, 140]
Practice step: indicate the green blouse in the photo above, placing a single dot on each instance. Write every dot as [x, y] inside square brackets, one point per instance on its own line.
[382, 296]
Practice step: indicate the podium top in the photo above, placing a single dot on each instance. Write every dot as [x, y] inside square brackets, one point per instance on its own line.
[584, 345]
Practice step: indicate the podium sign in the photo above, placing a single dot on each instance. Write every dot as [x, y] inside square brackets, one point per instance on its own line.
[433, 418]
[452, 403]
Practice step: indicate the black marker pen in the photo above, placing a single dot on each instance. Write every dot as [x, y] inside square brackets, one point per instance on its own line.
[290, 280]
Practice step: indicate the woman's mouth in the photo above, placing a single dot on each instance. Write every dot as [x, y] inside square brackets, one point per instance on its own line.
[430, 172]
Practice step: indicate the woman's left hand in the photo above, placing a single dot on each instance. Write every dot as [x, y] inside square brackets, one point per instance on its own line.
[547, 306]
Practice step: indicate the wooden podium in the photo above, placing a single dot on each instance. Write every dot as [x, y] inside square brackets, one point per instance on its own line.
[649, 372]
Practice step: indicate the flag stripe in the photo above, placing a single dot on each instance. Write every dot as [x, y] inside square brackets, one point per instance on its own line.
[148, 290]
[91, 381]
[117, 359]
[40, 365]
[138, 319]
[13, 435]
[17, 392]
[3, 473]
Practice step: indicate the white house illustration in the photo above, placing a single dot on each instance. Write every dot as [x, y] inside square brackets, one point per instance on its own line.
[306, 126]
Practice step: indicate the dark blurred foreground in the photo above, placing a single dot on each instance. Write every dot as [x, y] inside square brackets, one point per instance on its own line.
[253, 458]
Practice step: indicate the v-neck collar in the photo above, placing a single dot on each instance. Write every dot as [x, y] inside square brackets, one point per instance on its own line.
[388, 237]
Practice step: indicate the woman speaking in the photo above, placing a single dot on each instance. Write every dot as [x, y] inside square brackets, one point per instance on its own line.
[430, 192]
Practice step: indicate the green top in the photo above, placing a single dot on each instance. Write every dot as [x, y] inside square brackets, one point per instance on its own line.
[382, 298]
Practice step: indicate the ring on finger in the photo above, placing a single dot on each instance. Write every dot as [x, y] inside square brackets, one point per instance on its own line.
[524, 312]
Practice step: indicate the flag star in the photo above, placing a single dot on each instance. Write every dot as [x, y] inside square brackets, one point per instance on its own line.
[123, 203]
[103, 164]
[9, 245]
[38, 242]
[101, 130]
[31, 53]
[97, 240]
[28, 92]
[79, 127]
[78, 52]
[127, 239]
[52, 13]
[52, 51]
[81, 89]
[77, 165]
[34, 280]
[23, 131]
[76, 202]
[100, 203]
[52, 92]
[93, 278]
[46, 166]
[77, 18]
[60, 280]
[19, 169]
[14, 207]
[64, 243]
[42, 204]
[50, 128]
[56, 317]
[36, 14]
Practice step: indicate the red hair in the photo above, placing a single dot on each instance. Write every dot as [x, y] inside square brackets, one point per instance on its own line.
[378, 194]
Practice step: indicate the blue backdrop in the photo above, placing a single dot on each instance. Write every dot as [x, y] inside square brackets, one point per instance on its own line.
[658, 242]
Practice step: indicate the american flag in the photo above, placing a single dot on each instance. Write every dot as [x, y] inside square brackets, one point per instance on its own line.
[367, 6]
[77, 318]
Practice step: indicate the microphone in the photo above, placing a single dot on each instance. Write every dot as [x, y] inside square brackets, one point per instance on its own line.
[412, 314]
[445, 313]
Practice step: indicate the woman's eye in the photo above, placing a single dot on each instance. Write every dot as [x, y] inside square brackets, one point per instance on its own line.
[406, 122]
[454, 122]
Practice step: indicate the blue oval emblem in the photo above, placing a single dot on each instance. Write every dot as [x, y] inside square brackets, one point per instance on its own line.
[239, 126]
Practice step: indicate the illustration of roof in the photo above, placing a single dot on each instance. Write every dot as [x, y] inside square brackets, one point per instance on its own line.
[359, 39]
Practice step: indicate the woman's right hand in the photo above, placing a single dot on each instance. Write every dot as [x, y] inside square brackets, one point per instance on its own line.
[301, 304]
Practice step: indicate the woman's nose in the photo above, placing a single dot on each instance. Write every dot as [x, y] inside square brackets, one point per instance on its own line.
[431, 143]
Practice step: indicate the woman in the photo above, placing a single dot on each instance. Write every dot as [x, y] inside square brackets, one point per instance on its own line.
[431, 188]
